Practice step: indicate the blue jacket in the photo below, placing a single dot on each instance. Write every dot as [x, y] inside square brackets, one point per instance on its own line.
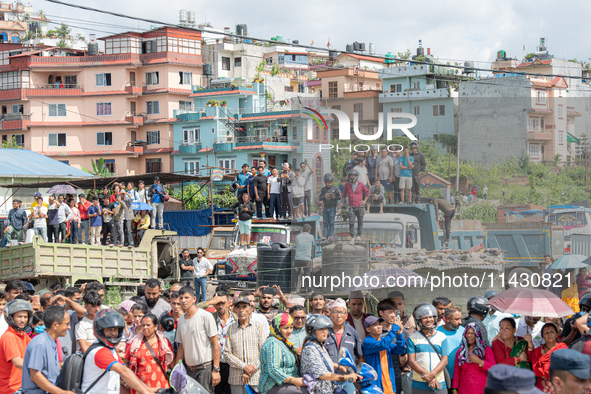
[350, 340]
[393, 344]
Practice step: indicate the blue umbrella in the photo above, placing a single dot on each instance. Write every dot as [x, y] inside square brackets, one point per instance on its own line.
[141, 206]
[570, 261]
[62, 189]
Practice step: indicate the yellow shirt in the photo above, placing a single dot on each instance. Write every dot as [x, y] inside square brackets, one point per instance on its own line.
[144, 223]
[34, 204]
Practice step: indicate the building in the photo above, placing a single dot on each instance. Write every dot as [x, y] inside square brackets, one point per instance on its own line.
[78, 107]
[361, 61]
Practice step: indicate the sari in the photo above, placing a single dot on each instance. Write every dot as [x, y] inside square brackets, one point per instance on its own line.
[518, 348]
[541, 367]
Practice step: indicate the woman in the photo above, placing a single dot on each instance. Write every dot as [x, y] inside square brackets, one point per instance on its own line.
[279, 362]
[571, 293]
[583, 282]
[140, 352]
[116, 191]
[316, 361]
[541, 357]
[507, 349]
[473, 360]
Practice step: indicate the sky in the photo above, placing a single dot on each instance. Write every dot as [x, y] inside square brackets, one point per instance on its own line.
[455, 30]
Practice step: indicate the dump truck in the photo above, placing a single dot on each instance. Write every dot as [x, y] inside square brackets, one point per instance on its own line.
[43, 263]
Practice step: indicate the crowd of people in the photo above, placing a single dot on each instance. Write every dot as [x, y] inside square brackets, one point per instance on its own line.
[105, 218]
[269, 342]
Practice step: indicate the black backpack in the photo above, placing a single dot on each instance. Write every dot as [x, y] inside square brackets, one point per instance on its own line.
[70, 377]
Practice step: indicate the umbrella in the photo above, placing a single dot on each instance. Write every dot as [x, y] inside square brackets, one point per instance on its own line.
[62, 189]
[570, 261]
[388, 277]
[530, 302]
[141, 206]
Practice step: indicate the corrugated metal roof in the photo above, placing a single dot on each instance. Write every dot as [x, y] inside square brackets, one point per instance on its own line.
[26, 163]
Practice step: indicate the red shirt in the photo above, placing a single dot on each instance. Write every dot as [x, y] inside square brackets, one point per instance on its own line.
[83, 208]
[355, 197]
[12, 344]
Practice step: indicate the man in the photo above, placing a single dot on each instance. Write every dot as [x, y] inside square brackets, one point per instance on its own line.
[41, 365]
[285, 179]
[441, 304]
[197, 336]
[387, 312]
[420, 165]
[376, 196]
[504, 379]
[266, 296]
[64, 214]
[156, 194]
[13, 344]
[242, 182]
[83, 206]
[76, 311]
[259, 185]
[356, 316]
[202, 268]
[385, 172]
[408, 321]
[186, 265]
[12, 289]
[329, 199]
[104, 360]
[342, 335]
[85, 337]
[371, 162]
[304, 253]
[494, 317]
[244, 210]
[350, 163]
[274, 194]
[244, 341]
[477, 311]
[224, 317]
[152, 298]
[406, 166]
[263, 163]
[52, 220]
[175, 285]
[94, 286]
[17, 218]
[317, 301]
[176, 311]
[396, 173]
[128, 197]
[427, 361]
[39, 217]
[569, 372]
[448, 213]
[108, 223]
[250, 183]
[298, 336]
[454, 333]
[568, 334]
[307, 175]
[358, 194]
[530, 329]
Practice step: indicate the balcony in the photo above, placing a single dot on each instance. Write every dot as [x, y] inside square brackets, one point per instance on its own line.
[135, 118]
[189, 148]
[414, 95]
[538, 135]
[137, 147]
[52, 90]
[14, 121]
[223, 146]
[135, 87]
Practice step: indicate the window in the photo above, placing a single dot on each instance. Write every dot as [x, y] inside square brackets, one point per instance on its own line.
[439, 110]
[109, 164]
[534, 152]
[185, 105]
[358, 108]
[237, 62]
[225, 63]
[227, 164]
[153, 137]
[103, 79]
[104, 138]
[337, 107]
[316, 133]
[192, 167]
[153, 165]
[560, 111]
[333, 89]
[260, 133]
[416, 85]
[148, 46]
[191, 136]
[396, 110]
[416, 110]
[396, 88]
[560, 137]
[57, 139]
[103, 109]
[71, 81]
[152, 78]
[152, 107]
[540, 97]
[17, 109]
[67, 162]
[185, 78]
[294, 133]
[56, 109]
[536, 124]
[19, 139]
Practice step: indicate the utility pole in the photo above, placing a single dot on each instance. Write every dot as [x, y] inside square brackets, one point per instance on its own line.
[458, 163]
[586, 154]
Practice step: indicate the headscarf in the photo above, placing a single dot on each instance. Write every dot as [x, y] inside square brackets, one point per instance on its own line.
[280, 320]
[479, 346]
[127, 304]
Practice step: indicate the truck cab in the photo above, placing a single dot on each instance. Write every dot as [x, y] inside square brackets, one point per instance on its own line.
[220, 244]
[574, 219]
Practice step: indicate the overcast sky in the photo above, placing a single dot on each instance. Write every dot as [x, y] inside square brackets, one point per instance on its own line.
[454, 30]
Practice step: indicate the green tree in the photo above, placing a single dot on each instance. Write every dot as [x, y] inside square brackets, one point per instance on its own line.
[404, 55]
[63, 31]
[196, 197]
[99, 168]
[529, 56]
[12, 144]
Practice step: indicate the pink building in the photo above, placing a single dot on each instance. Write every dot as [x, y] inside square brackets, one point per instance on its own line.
[79, 107]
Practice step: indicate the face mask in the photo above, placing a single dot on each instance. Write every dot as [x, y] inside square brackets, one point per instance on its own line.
[39, 329]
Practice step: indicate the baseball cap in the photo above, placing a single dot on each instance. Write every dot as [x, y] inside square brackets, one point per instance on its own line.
[572, 361]
[36, 194]
[245, 165]
[241, 300]
[371, 320]
[503, 377]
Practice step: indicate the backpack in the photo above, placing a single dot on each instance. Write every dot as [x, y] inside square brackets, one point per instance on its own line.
[70, 377]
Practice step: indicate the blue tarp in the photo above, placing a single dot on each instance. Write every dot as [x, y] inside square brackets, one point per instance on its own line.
[528, 212]
[192, 223]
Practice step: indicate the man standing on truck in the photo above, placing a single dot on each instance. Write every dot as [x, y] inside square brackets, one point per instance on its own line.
[259, 185]
[420, 165]
[16, 221]
[448, 213]
[385, 173]
[157, 194]
[40, 217]
[358, 194]
[304, 252]
[242, 182]
[244, 209]
[186, 265]
[329, 199]
[406, 166]
[83, 206]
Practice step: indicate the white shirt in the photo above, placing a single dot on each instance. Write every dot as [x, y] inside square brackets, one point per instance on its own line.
[523, 329]
[261, 318]
[201, 267]
[274, 182]
[41, 222]
[108, 384]
[3, 325]
[84, 330]
[362, 174]
[358, 325]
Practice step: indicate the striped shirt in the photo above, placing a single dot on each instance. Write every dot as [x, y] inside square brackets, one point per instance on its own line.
[243, 345]
[426, 357]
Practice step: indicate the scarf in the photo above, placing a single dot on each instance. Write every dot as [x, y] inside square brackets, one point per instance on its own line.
[164, 352]
[542, 367]
[280, 320]
[479, 347]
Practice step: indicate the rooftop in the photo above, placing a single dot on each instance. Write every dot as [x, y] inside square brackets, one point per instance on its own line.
[26, 163]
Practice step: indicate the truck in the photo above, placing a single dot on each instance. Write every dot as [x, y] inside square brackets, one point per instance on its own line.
[43, 263]
[574, 219]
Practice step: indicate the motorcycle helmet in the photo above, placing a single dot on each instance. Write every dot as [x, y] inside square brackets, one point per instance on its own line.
[15, 306]
[328, 178]
[317, 322]
[352, 173]
[108, 318]
[422, 311]
[477, 305]
[28, 288]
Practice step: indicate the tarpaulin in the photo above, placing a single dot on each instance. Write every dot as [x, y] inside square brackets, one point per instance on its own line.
[193, 222]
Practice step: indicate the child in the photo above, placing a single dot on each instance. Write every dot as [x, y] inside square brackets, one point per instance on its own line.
[378, 348]
[167, 328]
[94, 213]
[37, 324]
[273, 194]
[143, 223]
[244, 209]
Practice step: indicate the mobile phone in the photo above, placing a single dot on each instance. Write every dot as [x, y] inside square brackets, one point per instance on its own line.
[398, 315]
[272, 290]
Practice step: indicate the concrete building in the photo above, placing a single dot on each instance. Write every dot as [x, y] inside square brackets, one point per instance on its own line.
[117, 106]
[364, 62]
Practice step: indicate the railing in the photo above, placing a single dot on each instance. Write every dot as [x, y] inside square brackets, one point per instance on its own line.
[82, 59]
[55, 86]
[9, 117]
[249, 139]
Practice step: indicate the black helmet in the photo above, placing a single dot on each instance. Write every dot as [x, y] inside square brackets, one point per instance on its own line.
[413, 143]
[328, 178]
[422, 311]
[15, 306]
[585, 301]
[317, 322]
[477, 305]
[234, 185]
[28, 288]
[108, 318]
[353, 172]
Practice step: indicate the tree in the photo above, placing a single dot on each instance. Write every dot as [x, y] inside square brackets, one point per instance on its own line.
[530, 56]
[12, 144]
[63, 31]
[404, 55]
[99, 168]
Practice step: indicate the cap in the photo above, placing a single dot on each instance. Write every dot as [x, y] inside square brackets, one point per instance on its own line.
[489, 294]
[339, 303]
[328, 304]
[245, 165]
[36, 194]
[503, 377]
[572, 361]
[355, 294]
[242, 299]
[371, 320]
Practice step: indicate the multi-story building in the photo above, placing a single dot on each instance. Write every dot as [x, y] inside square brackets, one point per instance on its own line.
[117, 106]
